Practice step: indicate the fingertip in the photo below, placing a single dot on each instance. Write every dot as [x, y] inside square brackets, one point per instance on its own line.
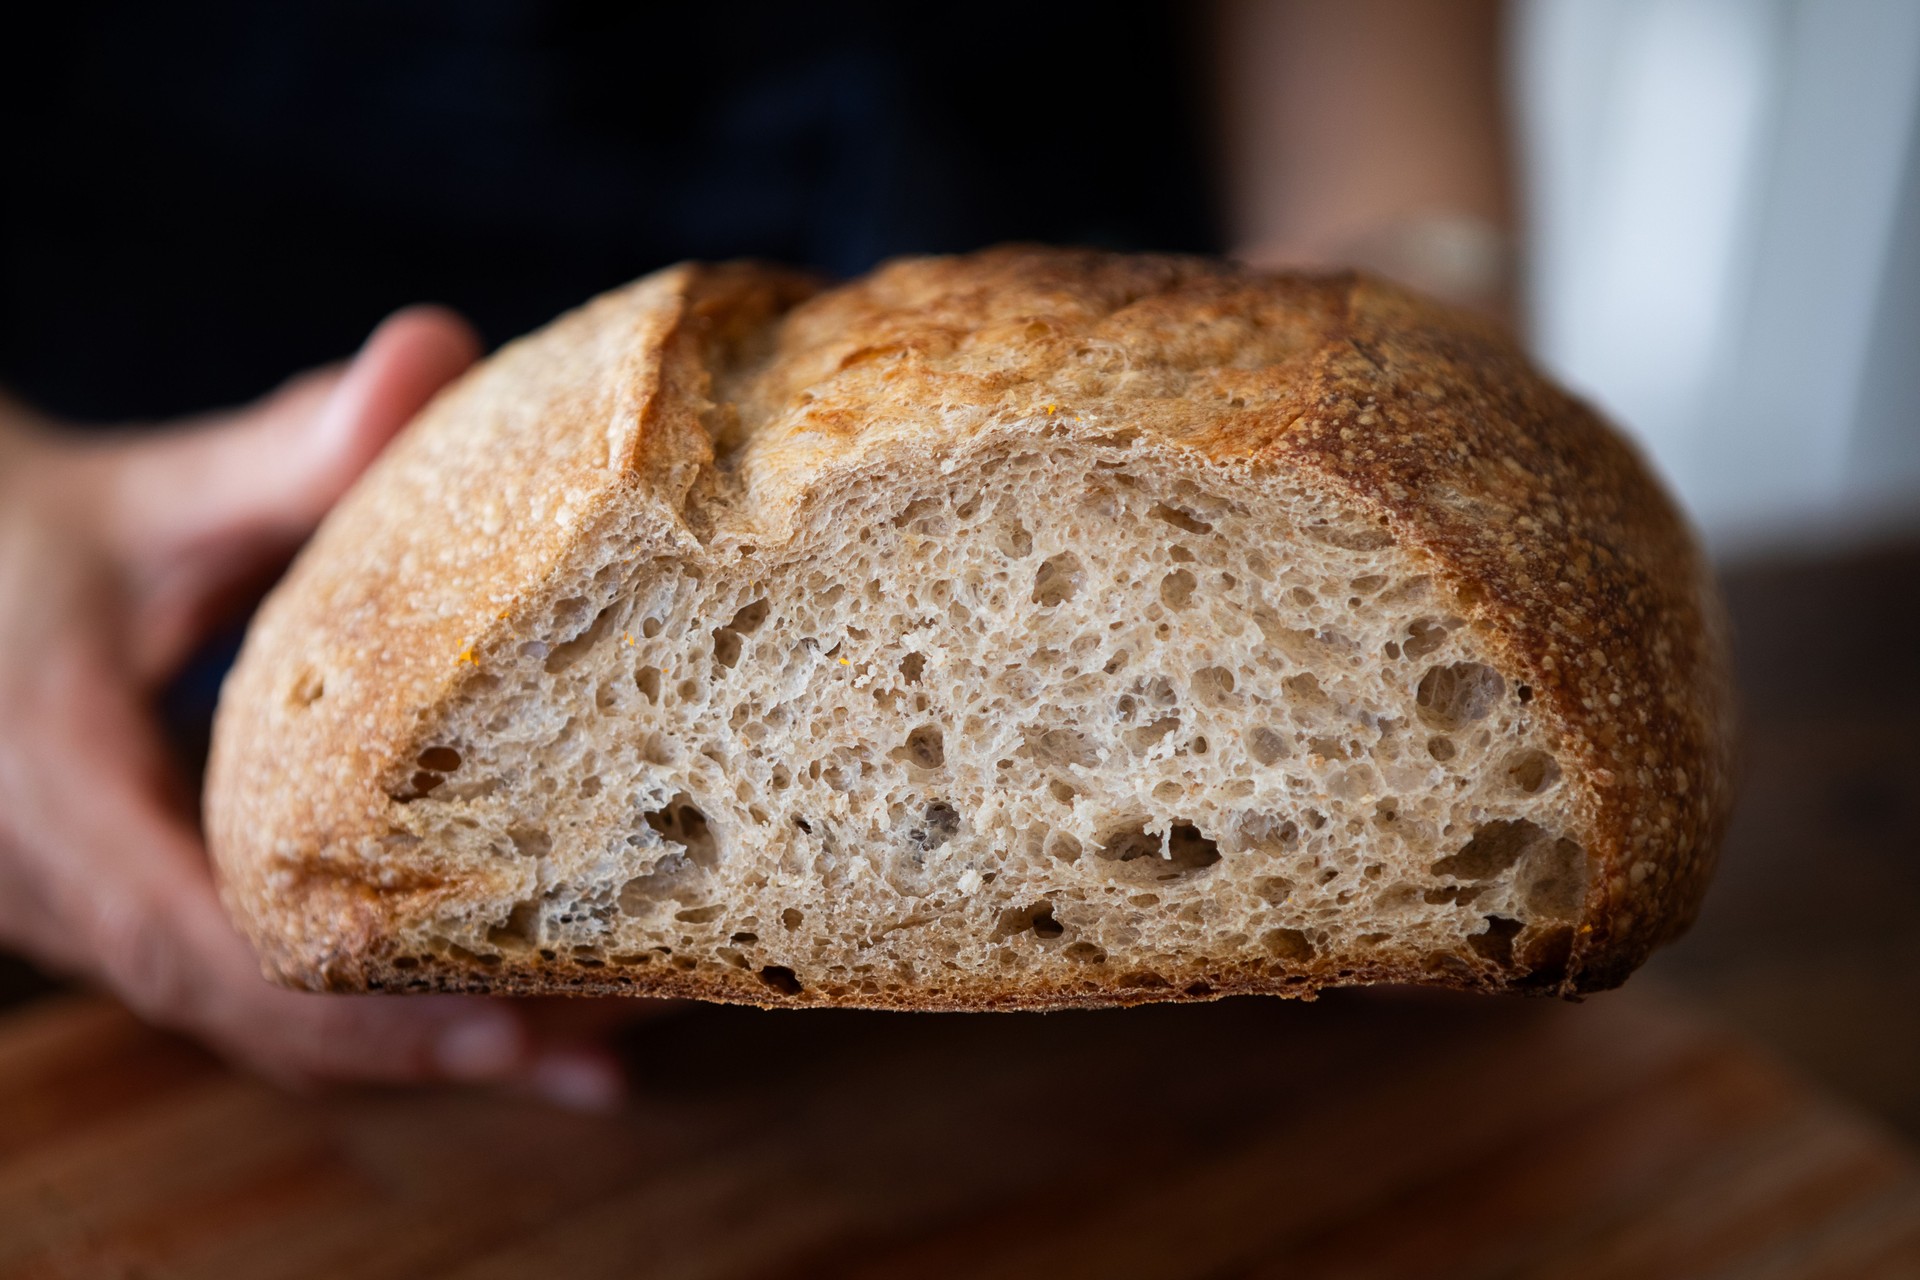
[404, 362]
[578, 1079]
[433, 329]
[481, 1045]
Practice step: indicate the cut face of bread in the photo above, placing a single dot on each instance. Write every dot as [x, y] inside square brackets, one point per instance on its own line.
[1067, 707]
[972, 647]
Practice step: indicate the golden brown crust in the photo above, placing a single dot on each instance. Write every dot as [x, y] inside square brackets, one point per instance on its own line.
[1547, 529]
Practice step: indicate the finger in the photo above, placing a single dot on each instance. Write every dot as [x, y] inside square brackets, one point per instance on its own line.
[122, 884]
[162, 940]
[576, 1078]
[280, 463]
[574, 1065]
[125, 894]
[195, 512]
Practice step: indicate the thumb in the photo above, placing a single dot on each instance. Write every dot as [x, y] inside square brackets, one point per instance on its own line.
[198, 511]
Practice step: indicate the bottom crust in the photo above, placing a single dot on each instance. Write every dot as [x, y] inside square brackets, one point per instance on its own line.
[774, 987]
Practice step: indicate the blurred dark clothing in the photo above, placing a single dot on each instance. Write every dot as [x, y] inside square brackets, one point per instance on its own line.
[203, 198]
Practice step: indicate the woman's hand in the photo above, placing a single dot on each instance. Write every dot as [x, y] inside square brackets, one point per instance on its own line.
[116, 557]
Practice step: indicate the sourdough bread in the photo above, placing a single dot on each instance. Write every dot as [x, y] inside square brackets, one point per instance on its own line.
[1027, 629]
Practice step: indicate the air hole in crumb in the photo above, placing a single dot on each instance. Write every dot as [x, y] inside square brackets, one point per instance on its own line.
[1269, 832]
[650, 627]
[1546, 956]
[1495, 942]
[1061, 791]
[781, 979]
[1424, 635]
[1014, 541]
[1265, 746]
[925, 747]
[1184, 852]
[1038, 918]
[419, 786]
[792, 917]
[520, 931]
[744, 939]
[1084, 952]
[1440, 748]
[912, 665]
[1351, 537]
[727, 640]
[1176, 589]
[748, 618]
[924, 515]
[1274, 889]
[1149, 735]
[1553, 879]
[1532, 771]
[700, 915]
[1458, 694]
[530, 842]
[565, 654]
[682, 823]
[1058, 580]
[1287, 944]
[1494, 848]
[647, 680]
[1214, 686]
[439, 759]
[939, 824]
[1179, 519]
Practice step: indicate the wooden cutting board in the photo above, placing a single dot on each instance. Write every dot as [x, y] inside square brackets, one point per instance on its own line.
[1366, 1135]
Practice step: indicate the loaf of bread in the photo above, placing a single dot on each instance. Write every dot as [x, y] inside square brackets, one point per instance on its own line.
[1021, 630]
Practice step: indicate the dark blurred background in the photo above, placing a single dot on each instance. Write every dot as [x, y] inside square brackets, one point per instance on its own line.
[207, 198]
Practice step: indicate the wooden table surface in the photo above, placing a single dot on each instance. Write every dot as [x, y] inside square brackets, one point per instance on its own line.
[1366, 1135]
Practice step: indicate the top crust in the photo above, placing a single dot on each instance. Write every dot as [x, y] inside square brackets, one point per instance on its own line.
[1540, 520]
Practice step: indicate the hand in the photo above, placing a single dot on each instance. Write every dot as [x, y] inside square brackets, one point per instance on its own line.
[116, 557]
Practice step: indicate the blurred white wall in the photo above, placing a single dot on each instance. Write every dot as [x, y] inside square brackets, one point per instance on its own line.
[1725, 247]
